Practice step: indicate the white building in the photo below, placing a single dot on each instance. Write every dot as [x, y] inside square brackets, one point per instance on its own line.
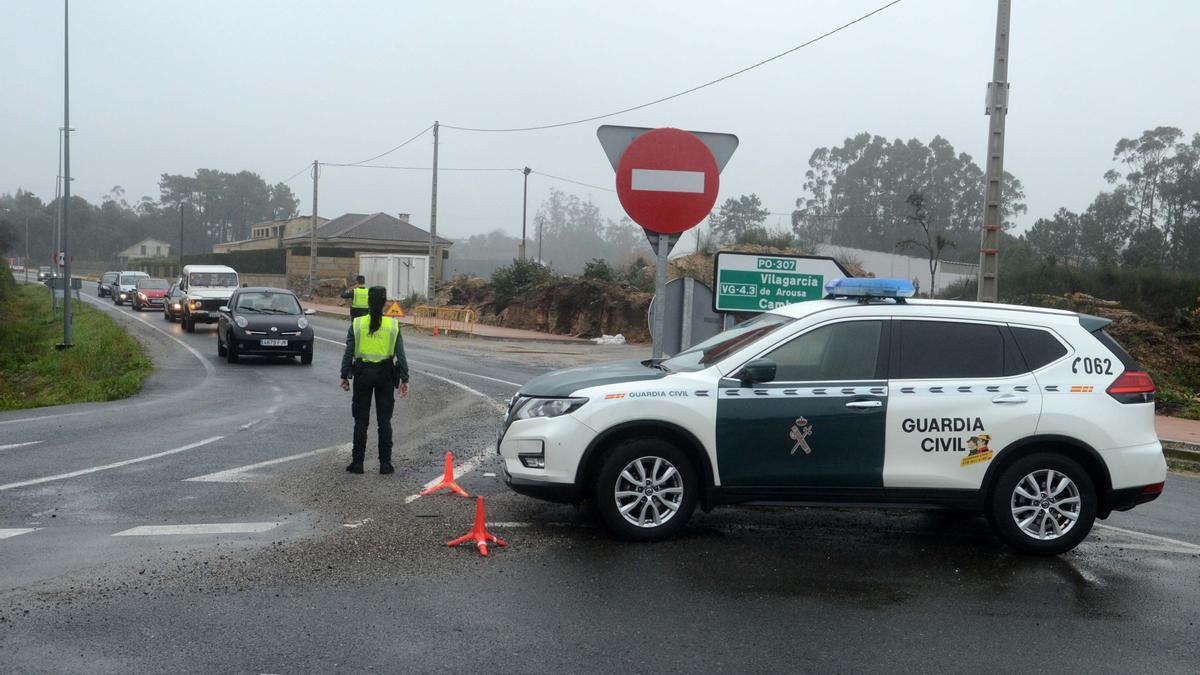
[146, 248]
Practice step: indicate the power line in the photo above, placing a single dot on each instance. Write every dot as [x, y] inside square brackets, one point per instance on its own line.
[382, 154]
[686, 91]
[420, 168]
[570, 180]
[297, 174]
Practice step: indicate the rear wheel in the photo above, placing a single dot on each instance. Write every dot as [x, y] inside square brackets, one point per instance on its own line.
[1043, 504]
[646, 490]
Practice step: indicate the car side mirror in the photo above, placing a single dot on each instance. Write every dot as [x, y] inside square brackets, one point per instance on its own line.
[223, 308]
[757, 372]
[310, 311]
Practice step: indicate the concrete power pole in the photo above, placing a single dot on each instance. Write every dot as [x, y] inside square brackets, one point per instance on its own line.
[181, 239]
[997, 110]
[524, 210]
[68, 332]
[433, 222]
[312, 235]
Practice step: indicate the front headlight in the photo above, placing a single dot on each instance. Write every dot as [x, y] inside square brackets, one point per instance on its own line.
[302, 323]
[240, 321]
[176, 306]
[549, 407]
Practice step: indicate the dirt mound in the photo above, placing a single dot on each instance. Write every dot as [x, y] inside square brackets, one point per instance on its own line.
[565, 306]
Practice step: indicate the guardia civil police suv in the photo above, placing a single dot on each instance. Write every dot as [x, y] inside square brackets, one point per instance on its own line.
[1036, 417]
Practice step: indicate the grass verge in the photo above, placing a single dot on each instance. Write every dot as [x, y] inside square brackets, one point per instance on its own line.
[105, 364]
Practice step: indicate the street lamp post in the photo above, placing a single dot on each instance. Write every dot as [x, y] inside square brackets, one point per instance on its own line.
[524, 209]
[180, 238]
[66, 159]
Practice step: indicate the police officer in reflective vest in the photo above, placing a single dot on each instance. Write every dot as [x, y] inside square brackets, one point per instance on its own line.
[374, 358]
[357, 295]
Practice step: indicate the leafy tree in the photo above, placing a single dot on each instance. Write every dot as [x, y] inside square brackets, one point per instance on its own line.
[761, 236]
[933, 242]
[857, 194]
[519, 277]
[574, 232]
[737, 217]
[599, 269]
[1057, 238]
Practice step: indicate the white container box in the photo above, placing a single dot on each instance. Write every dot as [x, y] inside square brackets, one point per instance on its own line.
[401, 275]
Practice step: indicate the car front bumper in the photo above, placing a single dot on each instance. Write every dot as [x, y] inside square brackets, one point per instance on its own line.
[558, 442]
[251, 345]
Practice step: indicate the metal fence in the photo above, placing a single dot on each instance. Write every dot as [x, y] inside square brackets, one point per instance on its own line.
[444, 319]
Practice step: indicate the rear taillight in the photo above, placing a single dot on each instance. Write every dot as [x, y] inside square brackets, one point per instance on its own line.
[1155, 489]
[1133, 386]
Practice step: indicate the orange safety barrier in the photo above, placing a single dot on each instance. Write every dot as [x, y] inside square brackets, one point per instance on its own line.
[444, 319]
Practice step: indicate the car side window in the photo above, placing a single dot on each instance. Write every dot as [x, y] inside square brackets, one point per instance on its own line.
[1038, 346]
[949, 350]
[842, 351]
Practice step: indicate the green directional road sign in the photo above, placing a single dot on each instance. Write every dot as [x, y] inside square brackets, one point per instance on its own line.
[753, 282]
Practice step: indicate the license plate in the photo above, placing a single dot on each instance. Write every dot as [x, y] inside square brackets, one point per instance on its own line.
[273, 343]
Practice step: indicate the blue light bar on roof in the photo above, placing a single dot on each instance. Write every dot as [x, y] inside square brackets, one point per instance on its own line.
[870, 288]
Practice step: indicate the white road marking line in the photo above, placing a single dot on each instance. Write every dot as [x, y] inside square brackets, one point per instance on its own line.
[249, 424]
[459, 471]
[357, 523]
[1188, 546]
[509, 525]
[238, 474]
[47, 417]
[206, 528]
[659, 180]
[105, 467]
[10, 446]
[208, 367]
[15, 531]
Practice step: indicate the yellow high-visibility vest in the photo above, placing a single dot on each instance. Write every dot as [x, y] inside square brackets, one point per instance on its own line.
[375, 347]
[359, 300]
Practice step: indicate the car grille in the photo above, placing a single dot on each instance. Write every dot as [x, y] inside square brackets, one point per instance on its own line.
[212, 304]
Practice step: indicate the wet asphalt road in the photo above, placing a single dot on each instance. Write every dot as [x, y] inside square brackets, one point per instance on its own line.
[356, 576]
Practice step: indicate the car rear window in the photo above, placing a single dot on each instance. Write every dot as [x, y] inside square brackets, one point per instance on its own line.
[949, 350]
[1126, 358]
[1038, 346]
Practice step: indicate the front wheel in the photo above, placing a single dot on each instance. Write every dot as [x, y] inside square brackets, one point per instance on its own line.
[306, 359]
[231, 352]
[220, 345]
[646, 490]
[1043, 504]
[189, 324]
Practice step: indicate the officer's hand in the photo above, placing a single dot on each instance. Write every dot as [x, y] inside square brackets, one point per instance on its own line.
[345, 384]
[403, 387]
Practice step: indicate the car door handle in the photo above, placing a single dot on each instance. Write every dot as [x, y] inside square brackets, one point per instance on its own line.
[1010, 399]
[864, 405]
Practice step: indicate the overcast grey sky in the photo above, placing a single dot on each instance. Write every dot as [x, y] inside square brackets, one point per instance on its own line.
[269, 86]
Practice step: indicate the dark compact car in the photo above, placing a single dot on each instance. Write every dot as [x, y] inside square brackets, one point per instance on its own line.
[262, 321]
[105, 287]
[149, 293]
[173, 303]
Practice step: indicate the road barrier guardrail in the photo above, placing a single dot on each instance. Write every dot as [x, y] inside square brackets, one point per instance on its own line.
[444, 319]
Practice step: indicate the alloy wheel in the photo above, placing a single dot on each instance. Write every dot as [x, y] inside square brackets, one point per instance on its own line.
[1045, 504]
[648, 491]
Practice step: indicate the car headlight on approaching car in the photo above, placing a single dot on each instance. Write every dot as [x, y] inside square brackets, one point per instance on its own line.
[549, 407]
[302, 323]
[240, 321]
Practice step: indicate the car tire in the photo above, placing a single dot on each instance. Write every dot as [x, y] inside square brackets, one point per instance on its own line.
[189, 324]
[665, 479]
[306, 359]
[220, 345]
[231, 353]
[1038, 495]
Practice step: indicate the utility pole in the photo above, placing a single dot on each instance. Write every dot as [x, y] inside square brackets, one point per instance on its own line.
[997, 110]
[181, 238]
[524, 210]
[433, 222]
[312, 235]
[539, 224]
[58, 207]
[26, 249]
[66, 222]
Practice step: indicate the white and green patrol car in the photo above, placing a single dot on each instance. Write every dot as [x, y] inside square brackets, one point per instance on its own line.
[1036, 417]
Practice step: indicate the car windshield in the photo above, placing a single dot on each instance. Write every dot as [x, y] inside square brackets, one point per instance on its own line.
[268, 303]
[212, 280]
[711, 350]
[152, 284]
[131, 279]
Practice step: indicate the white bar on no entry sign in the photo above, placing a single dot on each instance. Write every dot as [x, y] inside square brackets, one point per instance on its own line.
[207, 528]
[657, 180]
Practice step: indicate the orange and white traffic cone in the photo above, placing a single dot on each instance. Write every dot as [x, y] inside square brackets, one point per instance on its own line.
[447, 481]
[479, 534]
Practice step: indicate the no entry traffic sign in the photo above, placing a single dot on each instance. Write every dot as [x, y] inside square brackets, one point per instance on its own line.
[667, 180]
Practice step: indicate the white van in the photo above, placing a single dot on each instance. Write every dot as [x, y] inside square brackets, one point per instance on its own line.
[205, 289]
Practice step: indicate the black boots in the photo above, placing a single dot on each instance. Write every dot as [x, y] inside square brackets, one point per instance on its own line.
[355, 467]
[386, 467]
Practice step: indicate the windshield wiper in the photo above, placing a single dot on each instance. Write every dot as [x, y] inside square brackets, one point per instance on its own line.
[652, 363]
[250, 309]
[272, 310]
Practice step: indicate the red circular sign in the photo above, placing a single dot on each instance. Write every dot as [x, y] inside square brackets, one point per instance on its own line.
[667, 180]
